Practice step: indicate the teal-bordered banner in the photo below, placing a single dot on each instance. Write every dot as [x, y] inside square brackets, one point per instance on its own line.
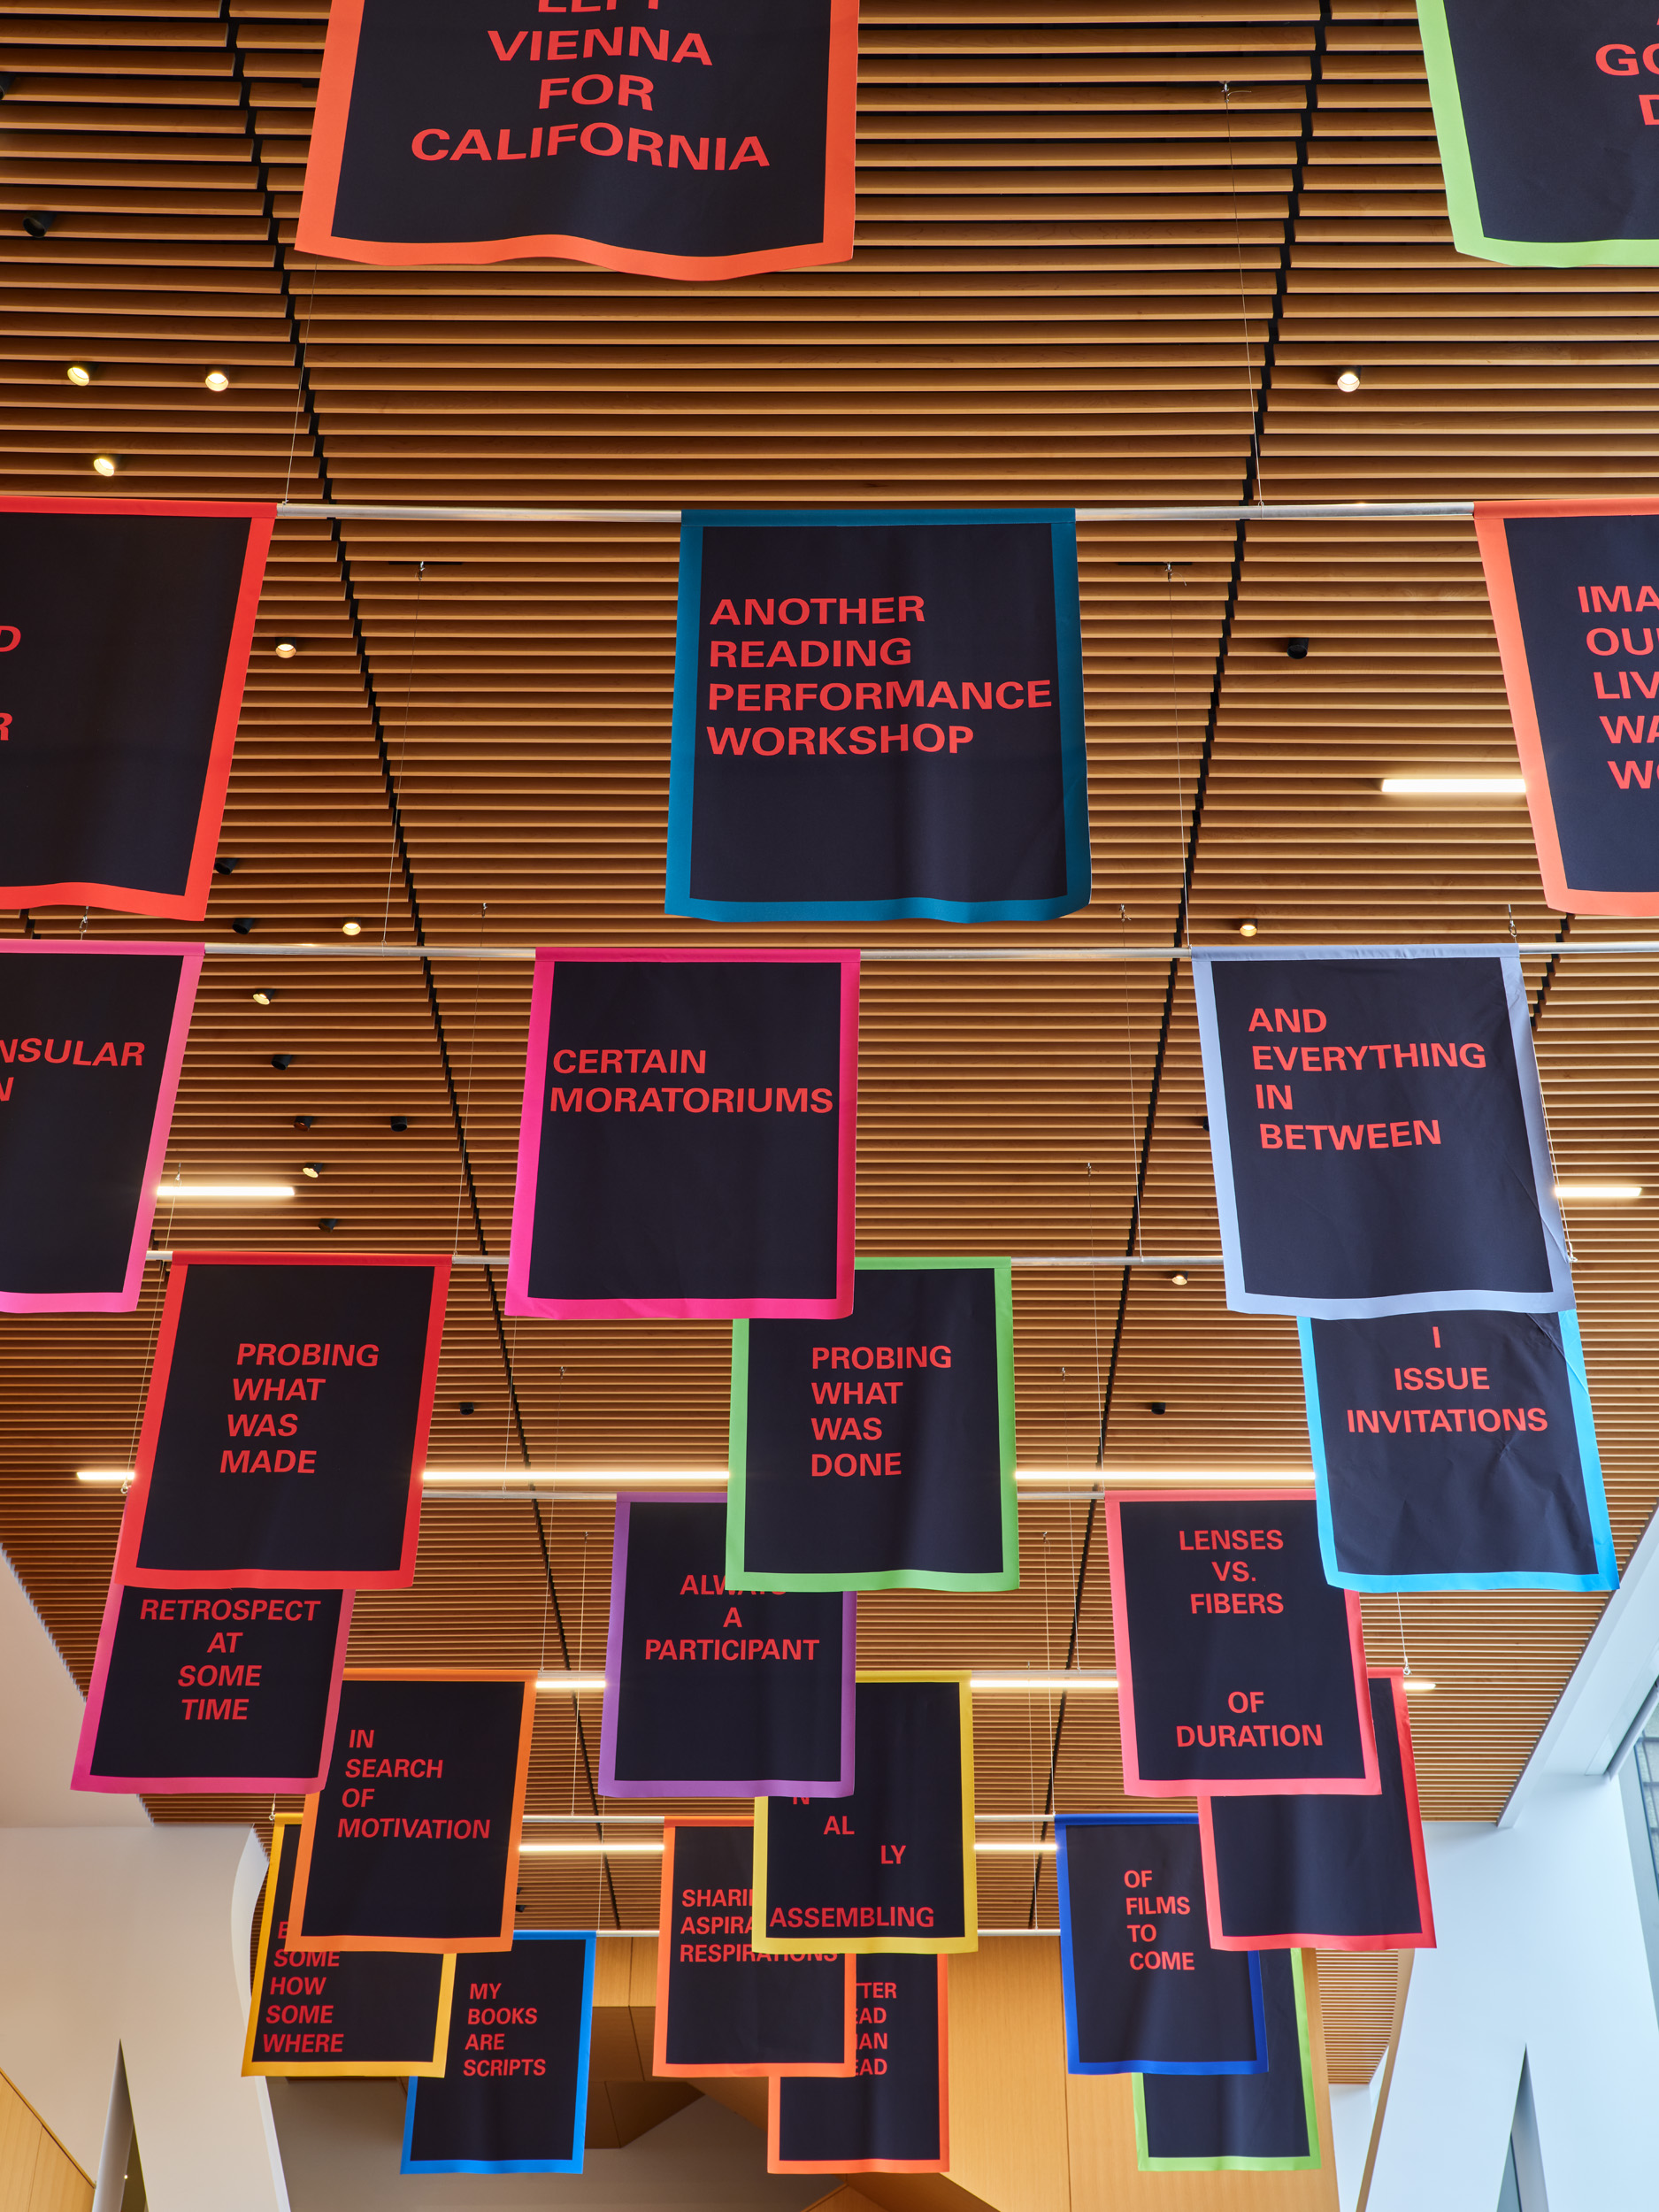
[876, 1452]
[1456, 1451]
[878, 716]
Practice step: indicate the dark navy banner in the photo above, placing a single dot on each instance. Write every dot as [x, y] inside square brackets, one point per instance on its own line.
[716, 1692]
[125, 630]
[722, 2007]
[1574, 589]
[225, 1689]
[91, 1041]
[891, 1867]
[876, 1453]
[1542, 111]
[1146, 1991]
[688, 1135]
[513, 2096]
[286, 1423]
[322, 2013]
[1456, 1451]
[1378, 1132]
[878, 714]
[894, 2115]
[1255, 2122]
[1240, 1668]
[446, 132]
[412, 1842]
[1327, 1873]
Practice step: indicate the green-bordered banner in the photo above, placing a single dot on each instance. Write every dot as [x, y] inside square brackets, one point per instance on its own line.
[1542, 111]
[1256, 2123]
[876, 1452]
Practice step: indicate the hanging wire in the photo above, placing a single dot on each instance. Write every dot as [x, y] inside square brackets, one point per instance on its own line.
[467, 1104]
[1405, 1655]
[1244, 310]
[299, 384]
[1134, 1120]
[1181, 776]
[402, 750]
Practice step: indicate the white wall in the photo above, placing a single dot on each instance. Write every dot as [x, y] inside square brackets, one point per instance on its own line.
[118, 1936]
[341, 2141]
[1541, 1956]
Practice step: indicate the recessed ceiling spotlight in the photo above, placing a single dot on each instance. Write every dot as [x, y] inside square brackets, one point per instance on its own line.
[1246, 929]
[1179, 1280]
[285, 648]
[328, 1221]
[78, 372]
[282, 1059]
[1158, 1405]
[1347, 380]
[227, 865]
[304, 1121]
[106, 464]
[264, 998]
[351, 929]
[1453, 788]
[1597, 1193]
[400, 1122]
[466, 1406]
[312, 1169]
[37, 225]
[216, 380]
[1296, 649]
[244, 924]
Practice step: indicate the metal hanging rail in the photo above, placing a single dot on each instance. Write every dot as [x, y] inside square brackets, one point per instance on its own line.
[1292, 511]
[1113, 1260]
[1545, 948]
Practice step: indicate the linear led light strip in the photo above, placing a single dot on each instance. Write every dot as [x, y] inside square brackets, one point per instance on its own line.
[578, 1684]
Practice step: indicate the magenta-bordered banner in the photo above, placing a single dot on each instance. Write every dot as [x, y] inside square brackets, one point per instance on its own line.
[687, 1142]
[234, 1688]
[716, 1692]
[91, 1041]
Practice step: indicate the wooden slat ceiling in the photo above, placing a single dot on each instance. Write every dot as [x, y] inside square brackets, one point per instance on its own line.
[1107, 252]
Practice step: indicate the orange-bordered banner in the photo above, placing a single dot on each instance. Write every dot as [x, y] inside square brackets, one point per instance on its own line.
[717, 151]
[412, 1842]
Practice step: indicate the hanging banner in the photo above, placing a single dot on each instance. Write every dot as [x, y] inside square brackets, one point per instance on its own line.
[715, 151]
[225, 1689]
[936, 657]
[1146, 1992]
[1324, 1873]
[513, 2095]
[1356, 1178]
[713, 1693]
[894, 2115]
[891, 1867]
[412, 1842]
[1541, 112]
[321, 2013]
[91, 1042]
[1206, 2124]
[876, 1453]
[722, 2007]
[1572, 588]
[125, 630]
[1456, 1451]
[1240, 1669]
[642, 1195]
[285, 1427]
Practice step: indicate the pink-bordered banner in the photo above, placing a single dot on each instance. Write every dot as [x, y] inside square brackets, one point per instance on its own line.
[84, 1136]
[640, 1196]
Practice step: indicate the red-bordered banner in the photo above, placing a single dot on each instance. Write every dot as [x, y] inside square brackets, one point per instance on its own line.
[106, 658]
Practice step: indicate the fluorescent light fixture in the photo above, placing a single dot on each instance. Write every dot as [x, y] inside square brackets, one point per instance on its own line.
[1044, 1678]
[1116, 1478]
[548, 1683]
[224, 1190]
[1419, 1684]
[1597, 1193]
[1000, 1850]
[105, 1474]
[632, 1848]
[1453, 788]
[604, 1478]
